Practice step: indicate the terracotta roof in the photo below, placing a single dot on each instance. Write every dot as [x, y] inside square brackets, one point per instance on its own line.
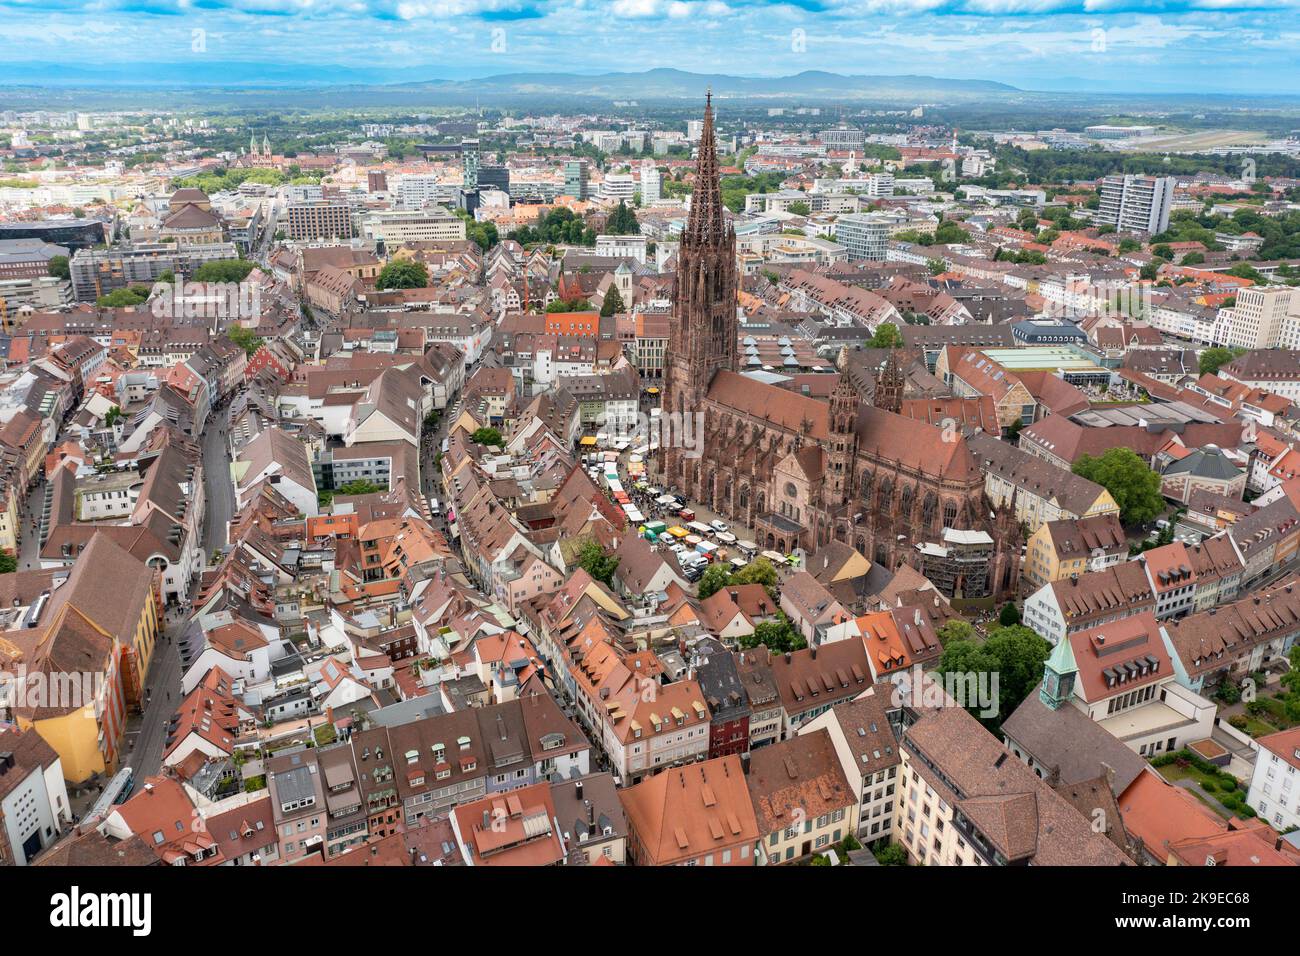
[797, 779]
[687, 813]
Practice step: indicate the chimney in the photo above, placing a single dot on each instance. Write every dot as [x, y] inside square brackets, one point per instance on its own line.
[591, 818]
[577, 789]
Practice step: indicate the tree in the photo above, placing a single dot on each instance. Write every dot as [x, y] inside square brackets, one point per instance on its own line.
[112, 416]
[246, 339]
[799, 208]
[601, 566]
[715, 578]
[486, 436]
[1212, 359]
[1151, 270]
[8, 563]
[223, 270]
[58, 267]
[779, 636]
[403, 274]
[759, 571]
[1134, 486]
[577, 304]
[886, 336]
[1009, 615]
[613, 302]
[957, 629]
[1020, 653]
[938, 266]
[1015, 654]
[622, 221]
[124, 298]
[359, 487]
[891, 855]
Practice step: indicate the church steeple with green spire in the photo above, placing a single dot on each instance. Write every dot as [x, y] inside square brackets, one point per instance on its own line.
[1058, 675]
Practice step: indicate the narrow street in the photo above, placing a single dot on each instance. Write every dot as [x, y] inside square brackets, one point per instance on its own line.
[220, 506]
[29, 549]
[146, 733]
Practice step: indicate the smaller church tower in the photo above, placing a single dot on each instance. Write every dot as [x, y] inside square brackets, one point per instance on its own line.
[1058, 675]
[266, 146]
[889, 385]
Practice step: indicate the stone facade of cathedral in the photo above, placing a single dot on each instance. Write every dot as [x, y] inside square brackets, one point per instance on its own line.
[802, 472]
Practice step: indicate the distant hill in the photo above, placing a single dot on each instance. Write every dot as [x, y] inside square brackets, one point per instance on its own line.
[668, 83]
[652, 84]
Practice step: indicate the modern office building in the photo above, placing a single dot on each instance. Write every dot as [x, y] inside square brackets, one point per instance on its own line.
[575, 179]
[618, 187]
[396, 226]
[865, 236]
[1263, 317]
[1136, 203]
[72, 233]
[494, 177]
[97, 272]
[843, 137]
[324, 219]
[469, 157]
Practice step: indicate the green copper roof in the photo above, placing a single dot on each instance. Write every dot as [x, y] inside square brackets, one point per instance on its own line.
[1061, 659]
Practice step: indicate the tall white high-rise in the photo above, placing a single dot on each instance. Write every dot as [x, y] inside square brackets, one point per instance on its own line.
[1136, 203]
[651, 182]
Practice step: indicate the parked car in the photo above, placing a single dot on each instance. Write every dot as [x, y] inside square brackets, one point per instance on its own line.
[719, 525]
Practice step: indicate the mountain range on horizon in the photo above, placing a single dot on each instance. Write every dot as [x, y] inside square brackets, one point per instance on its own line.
[287, 85]
[658, 83]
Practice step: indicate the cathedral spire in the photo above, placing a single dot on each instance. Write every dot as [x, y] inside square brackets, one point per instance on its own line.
[890, 384]
[707, 222]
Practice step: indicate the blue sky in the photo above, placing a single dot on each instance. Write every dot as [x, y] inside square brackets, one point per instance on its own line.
[1153, 45]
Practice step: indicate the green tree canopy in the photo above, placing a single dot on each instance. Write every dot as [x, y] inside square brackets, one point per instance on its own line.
[779, 635]
[124, 298]
[1212, 359]
[58, 267]
[958, 629]
[593, 559]
[886, 336]
[403, 274]
[622, 221]
[487, 436]
[1133, 485]
[246, 339]
[223, 270]
[613, 302]
[715, 578]
[1015, 654]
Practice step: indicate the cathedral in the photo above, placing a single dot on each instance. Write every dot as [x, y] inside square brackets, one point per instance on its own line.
[258, 157]
[802, 472]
